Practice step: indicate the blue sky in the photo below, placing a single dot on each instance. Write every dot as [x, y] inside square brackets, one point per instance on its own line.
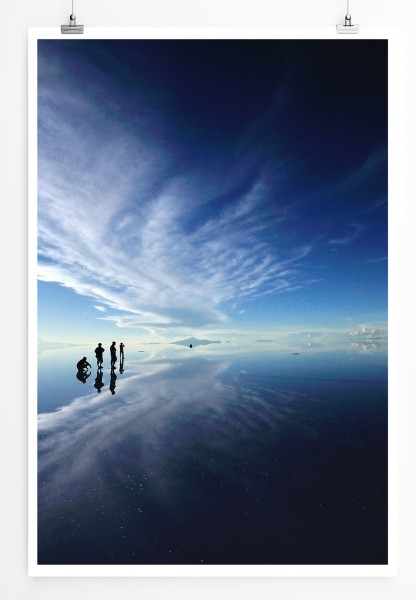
[197, 187]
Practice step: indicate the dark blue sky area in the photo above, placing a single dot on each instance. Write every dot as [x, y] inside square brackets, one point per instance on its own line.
[211, 177]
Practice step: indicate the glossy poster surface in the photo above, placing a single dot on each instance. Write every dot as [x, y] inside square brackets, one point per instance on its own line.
[219, 207]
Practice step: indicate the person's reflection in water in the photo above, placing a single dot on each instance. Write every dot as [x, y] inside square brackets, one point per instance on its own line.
[113, 378]
[82, 369]
[121, 366]
[99, 380]
[83, 376]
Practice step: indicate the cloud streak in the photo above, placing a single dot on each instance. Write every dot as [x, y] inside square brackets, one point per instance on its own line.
[120, 222]
[355, 232]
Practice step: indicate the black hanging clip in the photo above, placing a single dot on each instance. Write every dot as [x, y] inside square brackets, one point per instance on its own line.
[348, 27]
[72, 27]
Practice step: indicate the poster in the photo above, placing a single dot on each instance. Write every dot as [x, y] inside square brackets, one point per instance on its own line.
[212, 213]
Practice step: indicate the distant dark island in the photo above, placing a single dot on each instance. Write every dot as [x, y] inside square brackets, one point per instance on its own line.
[195, 342]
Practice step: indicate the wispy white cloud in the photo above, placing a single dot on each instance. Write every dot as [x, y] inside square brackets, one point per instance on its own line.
[46, 345]
[371, 261]
[366, 332]
[355, 231]
[114, 218]
[100, 308]
[372, 166]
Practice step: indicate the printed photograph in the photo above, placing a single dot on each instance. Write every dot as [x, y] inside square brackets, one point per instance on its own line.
[212, 302]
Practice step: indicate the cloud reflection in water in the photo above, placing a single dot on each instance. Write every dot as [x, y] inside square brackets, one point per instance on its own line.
[167, 411]
[208, 459]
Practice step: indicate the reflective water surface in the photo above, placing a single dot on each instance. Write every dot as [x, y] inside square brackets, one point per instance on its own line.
[211, 456]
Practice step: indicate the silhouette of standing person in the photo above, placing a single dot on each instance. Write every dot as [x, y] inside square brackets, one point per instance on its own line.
[121, 350]
[113, 354]
[113, 378]
[99, 354]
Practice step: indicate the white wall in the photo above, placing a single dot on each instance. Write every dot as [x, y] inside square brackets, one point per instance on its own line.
[16, 18]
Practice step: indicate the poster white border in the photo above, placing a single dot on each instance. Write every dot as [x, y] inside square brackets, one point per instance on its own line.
[36, 570]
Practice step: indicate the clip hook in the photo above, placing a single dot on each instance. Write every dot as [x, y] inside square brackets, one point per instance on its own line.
[72, 27]
[348, 27]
